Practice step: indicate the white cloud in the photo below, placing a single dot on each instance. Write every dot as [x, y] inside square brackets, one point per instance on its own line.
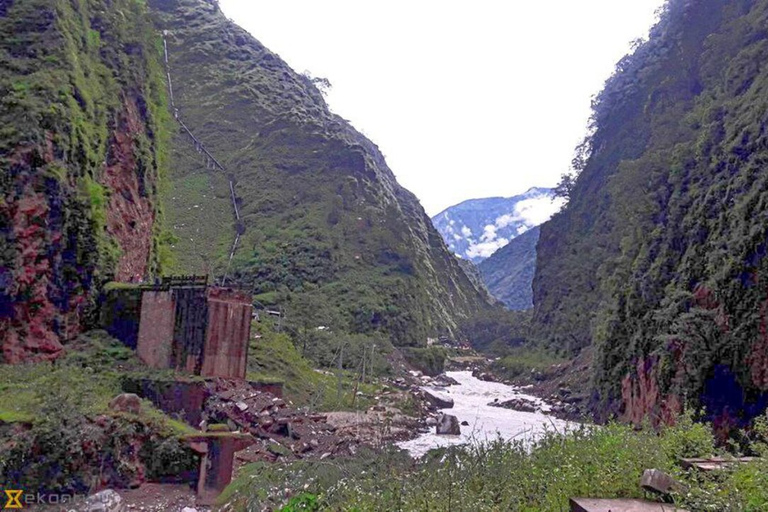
[485, 249]
[489, 233]
[538, 210]
[522, 229]
[456, 237]
[505, 220]
[466, 231]
[531, 212]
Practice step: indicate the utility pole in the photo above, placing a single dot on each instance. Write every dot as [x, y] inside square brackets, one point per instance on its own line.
[363, 375]
[338, 376]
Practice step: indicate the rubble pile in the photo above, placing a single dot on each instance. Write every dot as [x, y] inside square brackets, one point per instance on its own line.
[284, 431]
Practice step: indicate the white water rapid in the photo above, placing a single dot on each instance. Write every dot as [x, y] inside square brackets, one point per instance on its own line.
[486, 423]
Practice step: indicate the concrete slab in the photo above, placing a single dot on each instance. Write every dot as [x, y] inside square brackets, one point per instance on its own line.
[659, 482]
[599, 505]
[714, 463]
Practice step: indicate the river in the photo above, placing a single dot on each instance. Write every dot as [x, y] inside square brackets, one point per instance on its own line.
[486, 423]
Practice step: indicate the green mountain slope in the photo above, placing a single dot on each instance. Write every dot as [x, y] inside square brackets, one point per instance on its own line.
[508, 273]
[658, 259]
[83, 118]
[329, 234]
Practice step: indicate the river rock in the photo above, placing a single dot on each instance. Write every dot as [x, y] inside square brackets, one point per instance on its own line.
[516, 404]
[438, 401]
[448, 425]
[445, 381]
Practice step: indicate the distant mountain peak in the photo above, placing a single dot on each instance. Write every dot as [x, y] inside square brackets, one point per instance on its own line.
[476, 228]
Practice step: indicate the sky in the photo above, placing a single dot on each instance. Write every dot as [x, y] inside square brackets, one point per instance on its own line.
[465, 99]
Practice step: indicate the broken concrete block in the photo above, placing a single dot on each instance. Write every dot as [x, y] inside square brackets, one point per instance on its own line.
[621, 505]
[654, 480]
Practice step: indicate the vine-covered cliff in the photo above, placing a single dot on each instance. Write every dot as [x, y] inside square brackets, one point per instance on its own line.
[83, 119]
[659, 258]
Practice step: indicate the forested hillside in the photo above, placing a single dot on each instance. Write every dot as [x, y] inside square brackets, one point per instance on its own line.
[659, 258]
[88, 131]
[508, 273]
[329, 235]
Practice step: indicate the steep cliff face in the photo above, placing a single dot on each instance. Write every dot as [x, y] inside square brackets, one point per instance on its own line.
[658, 260]
[329, 233]
[82, 115]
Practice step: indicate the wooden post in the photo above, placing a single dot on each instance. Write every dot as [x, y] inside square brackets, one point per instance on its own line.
[338, 376]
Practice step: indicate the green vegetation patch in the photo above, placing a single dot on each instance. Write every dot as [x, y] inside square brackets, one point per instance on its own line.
[589, 462]
[60, 435]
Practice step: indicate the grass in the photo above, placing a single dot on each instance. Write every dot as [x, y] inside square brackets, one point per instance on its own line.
[89, 377]
[70, 431]
[523, 361]
[198, 213]
[588, 462]
[274, 357]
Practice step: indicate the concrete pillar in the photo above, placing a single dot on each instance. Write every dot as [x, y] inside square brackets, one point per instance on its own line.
[218, 456]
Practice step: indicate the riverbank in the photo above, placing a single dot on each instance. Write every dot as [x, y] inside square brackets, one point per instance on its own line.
[542, 475]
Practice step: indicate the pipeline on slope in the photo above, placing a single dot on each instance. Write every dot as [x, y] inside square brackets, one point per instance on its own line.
[210, 160]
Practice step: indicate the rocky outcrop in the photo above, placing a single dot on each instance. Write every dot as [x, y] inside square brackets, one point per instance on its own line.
[130, 213]
[643, 398]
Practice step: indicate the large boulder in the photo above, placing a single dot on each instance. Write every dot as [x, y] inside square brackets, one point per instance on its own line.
[126, 402]
[445, 381]
[439, 401]
[448, 425]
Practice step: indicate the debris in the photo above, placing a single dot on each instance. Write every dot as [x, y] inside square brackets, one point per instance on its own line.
[592, 505]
